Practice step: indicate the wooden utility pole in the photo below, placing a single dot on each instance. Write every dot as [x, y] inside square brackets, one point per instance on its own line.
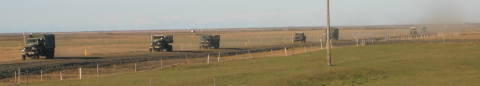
[328, 42]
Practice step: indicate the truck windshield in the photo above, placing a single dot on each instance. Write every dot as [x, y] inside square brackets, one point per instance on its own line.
[32, 40]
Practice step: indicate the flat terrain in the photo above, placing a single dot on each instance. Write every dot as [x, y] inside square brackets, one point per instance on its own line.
[120, 47]
[131, 43]
[401, 64]
[122, 43]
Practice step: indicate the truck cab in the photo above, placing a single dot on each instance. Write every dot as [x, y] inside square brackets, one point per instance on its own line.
[31, 48]
[210, 41]
[300, 38]
[161, 43]
[39, 45]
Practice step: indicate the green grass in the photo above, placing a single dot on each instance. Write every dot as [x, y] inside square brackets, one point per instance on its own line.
[413, 64]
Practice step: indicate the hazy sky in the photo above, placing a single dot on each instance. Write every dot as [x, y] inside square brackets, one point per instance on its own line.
[88, 15]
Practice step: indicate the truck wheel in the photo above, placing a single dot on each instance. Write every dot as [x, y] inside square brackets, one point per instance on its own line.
[24, 57]
[170, 48]
[35, 57]
[50, 54]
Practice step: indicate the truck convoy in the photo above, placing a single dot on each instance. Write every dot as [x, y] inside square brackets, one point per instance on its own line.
[210, 41]
[43, 45]
[161, 43]
[39, 45]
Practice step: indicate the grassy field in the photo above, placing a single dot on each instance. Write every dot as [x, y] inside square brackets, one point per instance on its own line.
[412, 64]
[106, 44]
[125, 43]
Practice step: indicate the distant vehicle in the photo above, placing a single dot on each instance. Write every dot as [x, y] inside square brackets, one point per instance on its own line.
[335, 33]
[161, 43]
[300, 38]
[210, 41]
[39, 45]
[413, 31]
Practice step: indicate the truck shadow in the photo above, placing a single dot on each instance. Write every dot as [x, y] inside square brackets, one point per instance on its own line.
[77, 58]
[191, 51]
[232, 48]
[209, 50]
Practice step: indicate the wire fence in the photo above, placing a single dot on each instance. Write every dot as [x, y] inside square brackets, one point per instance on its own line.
[99, 70]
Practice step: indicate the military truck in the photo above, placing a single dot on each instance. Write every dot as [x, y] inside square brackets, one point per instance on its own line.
[413, 31]
[161, 43]
[39, 45]
[334, 33]
[300, 38]
[210, 41]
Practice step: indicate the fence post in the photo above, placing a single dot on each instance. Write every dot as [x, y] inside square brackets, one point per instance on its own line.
[15, 75]
[363, 43]
[370, 41]
[373, 42]
[250, 54]
[135, 67]
[321, 43]
[19, 75]
[285, 49]
[219, 56]
[214, 82]
[61, 75]
[358, 44]
[186, 60]
[208, 59]
[41, 74]
[114, 67]
[304, 49]
[80, 73]
[150, 82]
[387, 37]
[271, 52]
[98, 71]
[161, 63]
[27, 77]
